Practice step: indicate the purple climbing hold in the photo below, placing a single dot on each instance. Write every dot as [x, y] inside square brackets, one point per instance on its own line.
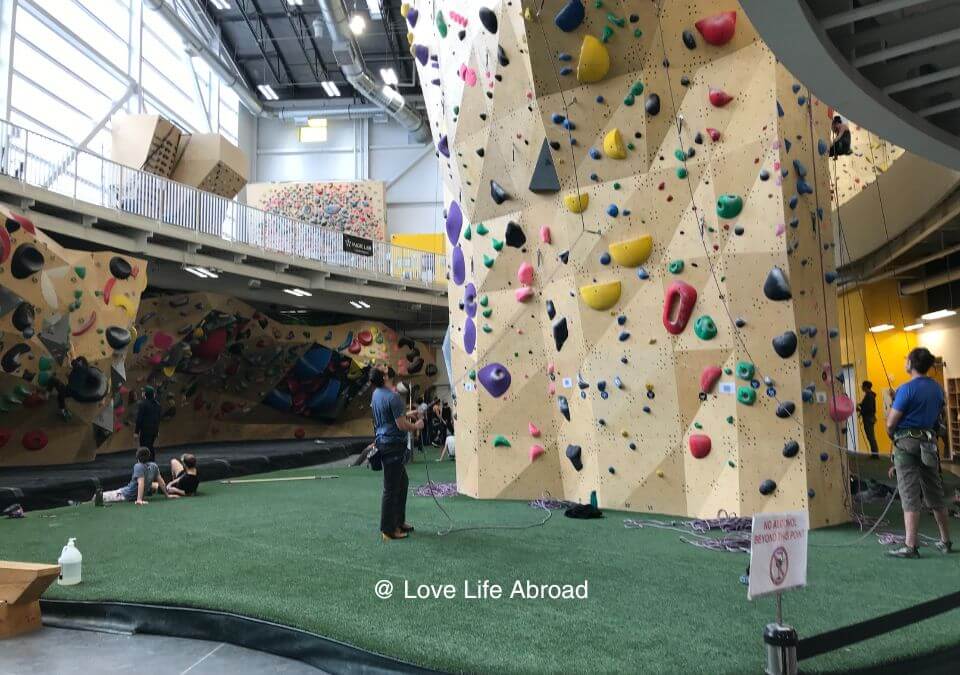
[458, 266]
[495, 378]
[422, 53]
[469, 336]
[444, 146]
[470, 300]
[412, 15]
[454, 222]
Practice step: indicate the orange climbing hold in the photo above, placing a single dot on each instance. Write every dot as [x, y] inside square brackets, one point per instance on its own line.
[718, 29]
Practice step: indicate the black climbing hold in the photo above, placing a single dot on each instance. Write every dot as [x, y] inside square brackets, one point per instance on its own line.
[502, 57]
[830, 277]
[406, 342]
[544, 178]
[791, 449]
[564, 257]
[767, 487]
[413, 355]
[489, 19]
[416, 366]
[26, 260]
[551, 310]
[11, 359]
[573, 454]
[740, 322]
[685, 81]
[431, 370]
[118, 337]
[776, 287]
[689, 41]
[560, 332]
[23, 317]
[570, 16]
[652, 106]
[698, 139]
[564, 407]
[480, 152]
[87, 384]
[120, 268]
[497, 193]
[786, 409]
[785, 344]
[514, 235]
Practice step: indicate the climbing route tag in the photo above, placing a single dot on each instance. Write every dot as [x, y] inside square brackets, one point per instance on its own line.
[727, 388]
[567, 383]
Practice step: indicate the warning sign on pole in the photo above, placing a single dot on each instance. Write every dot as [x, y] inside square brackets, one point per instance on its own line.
[778, 553]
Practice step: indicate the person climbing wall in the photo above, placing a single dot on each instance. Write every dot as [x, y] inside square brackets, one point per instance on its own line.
[842, 138]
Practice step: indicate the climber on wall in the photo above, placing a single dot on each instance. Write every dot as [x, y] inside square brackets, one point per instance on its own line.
[841, 137]
[913, 426]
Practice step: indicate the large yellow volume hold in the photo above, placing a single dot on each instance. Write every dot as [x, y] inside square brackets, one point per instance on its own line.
[632, 252]
[613, 146]
[576, 203]
[601, 296]
[594, 60]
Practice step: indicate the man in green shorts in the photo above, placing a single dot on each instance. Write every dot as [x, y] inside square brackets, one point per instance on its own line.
[913, 425]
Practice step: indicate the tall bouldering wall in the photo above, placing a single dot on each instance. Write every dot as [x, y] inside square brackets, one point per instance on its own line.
[640, 254]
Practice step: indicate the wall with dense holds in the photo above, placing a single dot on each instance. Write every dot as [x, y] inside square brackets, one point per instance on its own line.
[638, 227]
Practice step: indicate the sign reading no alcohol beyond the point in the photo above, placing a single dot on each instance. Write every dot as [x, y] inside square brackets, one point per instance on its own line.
[778, 553]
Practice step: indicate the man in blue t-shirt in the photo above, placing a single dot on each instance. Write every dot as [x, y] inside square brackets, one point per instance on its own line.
[145, 475]
[913, 424]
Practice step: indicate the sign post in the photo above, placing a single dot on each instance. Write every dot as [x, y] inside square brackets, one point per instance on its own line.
[778, 562]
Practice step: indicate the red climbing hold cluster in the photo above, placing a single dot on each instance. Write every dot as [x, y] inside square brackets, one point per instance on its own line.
[718, 29]
[5, 435]
[365, 337]
[700, 445]
[841, 407]
[678, 306]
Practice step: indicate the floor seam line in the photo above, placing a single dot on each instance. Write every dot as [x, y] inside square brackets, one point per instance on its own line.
[204, 658]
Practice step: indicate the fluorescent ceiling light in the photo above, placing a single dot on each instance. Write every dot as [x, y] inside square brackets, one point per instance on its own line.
[356, 304]
[914, 326]
[267, 91]
[373, 6]
[390, 92]
[389, 76]
[881, 328]
[939, 314]
[295, 3]
[202, 272]
[298, 292]
[363, 304]
[313, 134]
[220, 4]
[331, 89]
[317, 122]
[357, 24]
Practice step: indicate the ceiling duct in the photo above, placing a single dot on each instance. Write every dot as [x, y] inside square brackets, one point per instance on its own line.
[348, 57]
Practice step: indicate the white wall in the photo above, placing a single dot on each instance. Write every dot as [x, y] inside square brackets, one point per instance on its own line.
[942, 337]
[358, 150]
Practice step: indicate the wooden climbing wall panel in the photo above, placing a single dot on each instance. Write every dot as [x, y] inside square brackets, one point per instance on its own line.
[601, 161]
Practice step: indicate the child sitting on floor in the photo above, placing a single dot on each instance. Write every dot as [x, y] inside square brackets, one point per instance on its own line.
[186, 478]
[146, 475]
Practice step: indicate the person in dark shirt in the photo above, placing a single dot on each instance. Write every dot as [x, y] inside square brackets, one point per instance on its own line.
[842, 138]
[447, 414]
[868, 415]
[148, 422]
[186, 478]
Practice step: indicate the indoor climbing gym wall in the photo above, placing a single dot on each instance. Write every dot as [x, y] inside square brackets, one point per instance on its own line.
[66, 323]
[357, 208]
[637, 213]
[225, 372]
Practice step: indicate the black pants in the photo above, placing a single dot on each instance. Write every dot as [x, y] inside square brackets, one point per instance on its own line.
[148, 441]
[870, 432]
[393, 507]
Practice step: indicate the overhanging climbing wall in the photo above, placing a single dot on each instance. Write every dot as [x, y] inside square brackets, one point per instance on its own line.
[638, 207]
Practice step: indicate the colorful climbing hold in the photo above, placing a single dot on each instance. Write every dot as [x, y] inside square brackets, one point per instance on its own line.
[495, 378]
[705, 328]
[576, 203]
[613, 146]
[729, 206]
[501, 441]
[708, 378]
[536, 451]
[594, 62]
[718, 29]
[777, 287]
[700, 445]
[719, 98]
[601, 296]
[746, 395]
[632, 252]
[678, 303]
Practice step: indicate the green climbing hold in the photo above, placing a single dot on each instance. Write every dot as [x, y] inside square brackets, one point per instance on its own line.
[468, 233]
[456, 110]
[500, 441]
[698, 425]
[681, 172]
[745, 370]
[45, 363]
[441, 25]
[487, 261]
[728, 371]
[680, 155]
[472, 374]
[487, 312]
[637, 32]
[746, 395]
[497, 244]
[705, 328]
[43, 378]
[487, 328]
[628, 100]
[616, 186]
[78, 294]
[482, 229]
[675, 266]
[607, 34]
[637, 88]
[80, 272]
[631, 146]
[597, 3]
[616, 20]
[729, 419]
[729, 206]
[484, 301]
[733, 465]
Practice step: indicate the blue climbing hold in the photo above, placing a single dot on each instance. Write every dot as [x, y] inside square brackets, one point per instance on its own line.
[822, 147]
[570, 16]
[786, 146]
[796, 88]
[621, 319]
[617, 382]
[795, 223]
[793, 201]
[594, 177]
[600, 99]
[624, 336]
[799, 168]
[563, 56]
[568, 124]
[643, 274]
[605, 259]
[566, 70]
[830, 277]
[558, 118]
[803, 187]
[613, 210]
[595, 154]
[801, 100]
[824, 457]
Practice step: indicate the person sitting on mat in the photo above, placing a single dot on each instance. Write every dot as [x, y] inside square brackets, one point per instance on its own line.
[912, 424]
[145, 475]
[186, 478]
[449, 448]
[391, 421]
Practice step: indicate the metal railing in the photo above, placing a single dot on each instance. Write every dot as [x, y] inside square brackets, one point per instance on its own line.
[43, 162]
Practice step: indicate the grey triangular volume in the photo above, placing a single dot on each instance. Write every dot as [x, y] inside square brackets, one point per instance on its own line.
[544, 177]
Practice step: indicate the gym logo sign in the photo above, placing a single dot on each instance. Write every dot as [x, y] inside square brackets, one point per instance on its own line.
[357, 245]
[778, 553]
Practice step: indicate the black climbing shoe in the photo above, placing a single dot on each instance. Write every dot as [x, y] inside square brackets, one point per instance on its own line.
[905, 552]
[944, 546]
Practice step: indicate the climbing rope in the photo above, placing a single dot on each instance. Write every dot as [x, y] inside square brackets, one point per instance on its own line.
[736, 537]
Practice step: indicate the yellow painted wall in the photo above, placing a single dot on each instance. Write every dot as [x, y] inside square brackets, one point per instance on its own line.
[878, 357]
[428, 242]
[406, 261]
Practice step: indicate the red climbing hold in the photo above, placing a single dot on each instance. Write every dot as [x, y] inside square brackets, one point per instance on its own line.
[536, 451]
[25, 222]
[108, 289]
[34, 440]
[354, 347]
[299, 433]
[678, 306]
[719, 98]
[713, 134]
[211, 348]
[91, 322]
[708, 378]
[841, 407]
[163, 341]
[5, 435]
[718, 29]
[5, 245]
[365, 337]
[700, 445]
[34, 400]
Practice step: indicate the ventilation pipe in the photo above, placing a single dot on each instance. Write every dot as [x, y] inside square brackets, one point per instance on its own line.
[348, 57]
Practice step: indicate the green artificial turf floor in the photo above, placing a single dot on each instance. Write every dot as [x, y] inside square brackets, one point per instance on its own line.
[308, 554]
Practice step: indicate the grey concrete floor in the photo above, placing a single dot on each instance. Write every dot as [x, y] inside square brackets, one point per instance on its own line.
[55, 651]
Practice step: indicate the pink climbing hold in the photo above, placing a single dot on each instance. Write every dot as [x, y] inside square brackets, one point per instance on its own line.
[719, 98]
[781, 228]
[713, 134]
[708, 378]
[468, 75]
[163, 341]
[525, 273]
[700, 445]
[536, 451]
[532, 428]
[523, 294]
[552, 388]
[718, 29]
[545, 234]
[841, 407]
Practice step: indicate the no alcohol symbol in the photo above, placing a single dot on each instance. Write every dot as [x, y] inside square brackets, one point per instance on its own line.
[779, 564]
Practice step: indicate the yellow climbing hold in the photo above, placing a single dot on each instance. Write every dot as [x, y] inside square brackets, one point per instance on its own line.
[594, 60]
[613, 146]
[576, 203]
[121, 300]
[601, 296]
[632, 252]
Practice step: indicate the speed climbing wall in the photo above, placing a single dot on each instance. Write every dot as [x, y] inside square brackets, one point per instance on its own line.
[638, 233]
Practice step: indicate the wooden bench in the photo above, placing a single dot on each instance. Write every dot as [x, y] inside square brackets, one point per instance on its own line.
[21, 585]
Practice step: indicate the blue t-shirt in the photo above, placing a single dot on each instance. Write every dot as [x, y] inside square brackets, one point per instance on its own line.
[387, 407]
[920, 400]
[148, 472]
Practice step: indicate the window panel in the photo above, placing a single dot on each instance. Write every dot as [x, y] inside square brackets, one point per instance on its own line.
[49, 111]
[89, 28]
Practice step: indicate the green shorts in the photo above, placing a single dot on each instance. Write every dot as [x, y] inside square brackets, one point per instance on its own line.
[917, 482]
